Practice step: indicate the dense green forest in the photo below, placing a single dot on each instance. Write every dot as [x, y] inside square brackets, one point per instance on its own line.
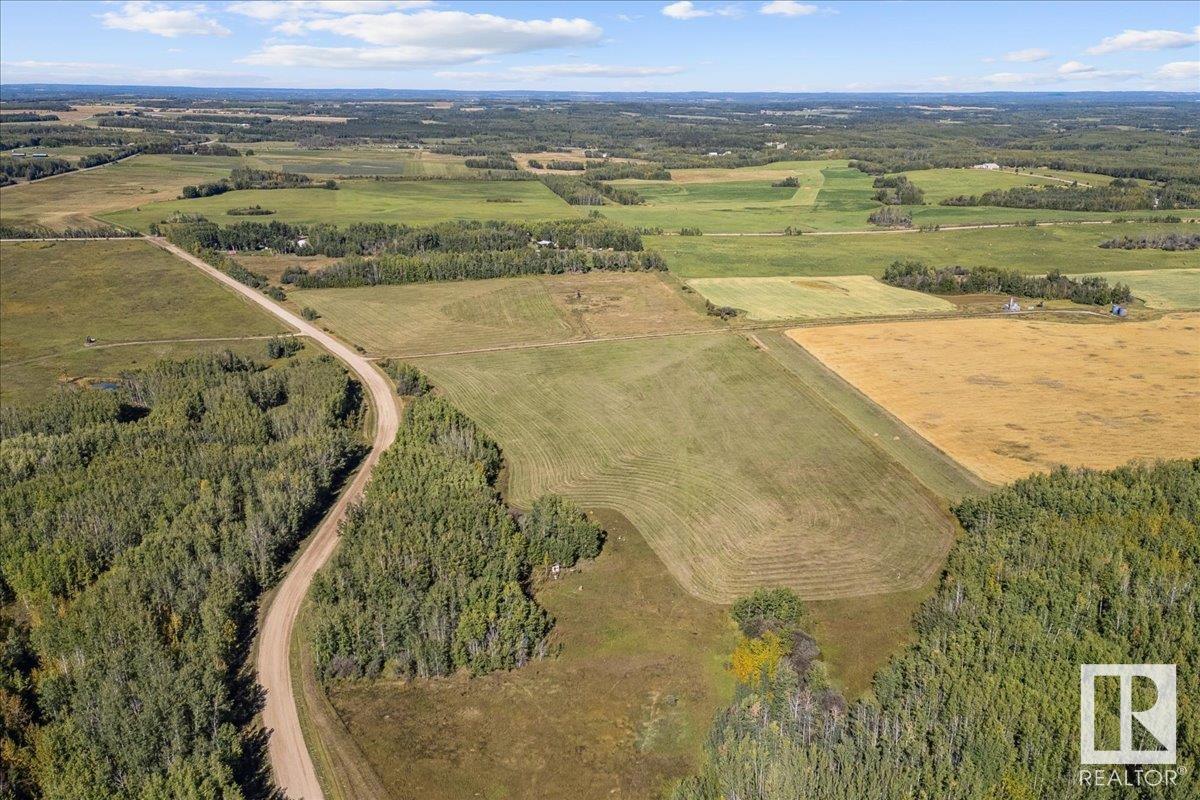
[1160, 241]
[138, 528]
[434, 572]
[1074, 567]
[990, 280]
[1119, 195]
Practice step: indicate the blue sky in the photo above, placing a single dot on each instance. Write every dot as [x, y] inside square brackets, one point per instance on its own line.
[782, 45]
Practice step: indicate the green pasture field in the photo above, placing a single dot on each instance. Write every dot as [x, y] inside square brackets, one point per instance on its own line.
[1070, 248]
[413, 202]
[358, 161]
[53, 295]
[1163, 288]
[770, 299]
[735, 475]
[638, 673]
[832, 197]
[66, 152]
[75, 199]
[505, 312]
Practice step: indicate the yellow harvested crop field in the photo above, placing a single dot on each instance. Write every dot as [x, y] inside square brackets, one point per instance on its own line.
[1007, 397]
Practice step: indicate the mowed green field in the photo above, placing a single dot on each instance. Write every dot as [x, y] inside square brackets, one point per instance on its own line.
[1069, 248]
[831, 197]
[55, 294]
[735, 475]
[768, 299]
[73, 200]
[1165, 289]
[357, 161]
[412, 202]
[470, 315]
[938, 184]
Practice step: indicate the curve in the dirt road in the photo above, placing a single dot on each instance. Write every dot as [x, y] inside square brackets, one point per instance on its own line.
[290, 760]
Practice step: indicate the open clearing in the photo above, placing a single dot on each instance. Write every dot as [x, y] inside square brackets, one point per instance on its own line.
[72, 200]
[356, 161]
[736, 476]
[626, 703]
[469, 315]
[938, 184]
[412, 202]
[1069, 248]
[55, 294]
[1166, 289]
[769, 299]
[1007, 397]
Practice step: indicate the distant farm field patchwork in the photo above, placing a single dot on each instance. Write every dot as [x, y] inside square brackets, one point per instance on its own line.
[737, 475]
[1165, 288]
[1068, 248]
[412, 202]
[53, 295]
[466, 315]
[73, 200]
[768, 299]
[1007, 397]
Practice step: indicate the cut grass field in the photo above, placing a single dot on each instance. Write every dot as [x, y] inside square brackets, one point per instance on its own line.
[469, 315]
[55, 294]
[411, 202]
[735, 475]
[831, 197]
[938, 184]
[1007, 397]
[771, 299]
[1069, 248]
[626, 701]
[357, 161]
[74, 200]
[1163, 289]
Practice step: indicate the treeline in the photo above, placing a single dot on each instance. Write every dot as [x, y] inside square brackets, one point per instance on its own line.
[1075, 567]
[898, 190]
[8, 231]
[616, 170]
[449, 266]
[890, 217]
[27, 116]
[32, 169]
[1090, 289]
[138, 529]
[376, 238]
[588, 191]
[251, 178]
[1117, 196]
[493, 161]
[1154, 241]
[434, 573]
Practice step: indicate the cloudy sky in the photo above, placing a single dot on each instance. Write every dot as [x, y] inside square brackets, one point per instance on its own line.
[781, 45]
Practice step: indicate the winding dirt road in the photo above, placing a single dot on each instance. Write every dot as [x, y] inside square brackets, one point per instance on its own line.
[290, 760]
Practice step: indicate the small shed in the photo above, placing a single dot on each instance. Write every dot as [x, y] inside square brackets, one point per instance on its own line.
[301, 243]
[1011, 306]
[1119, 310]
[988, 165]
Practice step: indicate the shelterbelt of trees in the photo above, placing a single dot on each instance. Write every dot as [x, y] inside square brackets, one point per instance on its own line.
[137, 529]
[1058, 570]
[1054, 285]
[459, 236]
[1116, 196]
[433, 573]
[250, 178]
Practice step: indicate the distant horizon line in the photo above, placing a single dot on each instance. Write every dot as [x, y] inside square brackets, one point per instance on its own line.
[48, 85]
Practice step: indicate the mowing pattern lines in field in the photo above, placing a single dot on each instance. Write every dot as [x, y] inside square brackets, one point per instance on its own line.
[735, 477]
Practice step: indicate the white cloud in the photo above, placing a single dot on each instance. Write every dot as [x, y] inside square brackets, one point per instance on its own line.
[162, 20]
[686, 9]
[541, 71]
[788, 8]
[1146, 40]
[432, 37]
[1011, 78]
[1074, 68]
[460, 29]
[1180, 71]
[270, 10]
[1028, 55]
[99, 72]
